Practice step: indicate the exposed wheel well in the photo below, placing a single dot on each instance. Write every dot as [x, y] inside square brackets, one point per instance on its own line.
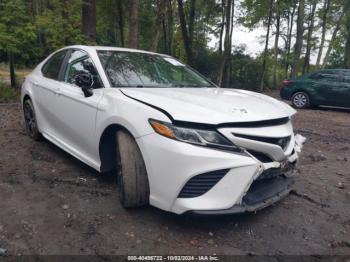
[108, 147]
[26, 97]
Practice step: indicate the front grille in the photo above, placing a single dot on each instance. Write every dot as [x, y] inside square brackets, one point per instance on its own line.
[279, 141]
[260, 156]
[200, 184]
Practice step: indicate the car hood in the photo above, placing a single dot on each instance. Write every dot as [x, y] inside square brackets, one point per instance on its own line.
[211, 105]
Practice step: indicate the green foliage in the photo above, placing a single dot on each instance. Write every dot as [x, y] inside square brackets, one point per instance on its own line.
[32, 29]
[8, 94]
[245, 72]
[59, 26]
[16, 31]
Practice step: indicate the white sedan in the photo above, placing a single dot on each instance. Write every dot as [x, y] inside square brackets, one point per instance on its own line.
[174, 139]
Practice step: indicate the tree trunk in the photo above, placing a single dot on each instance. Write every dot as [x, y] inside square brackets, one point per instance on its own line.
[191, 21]
[185, 33]
[158, 24]
[89, 19]
[306, 66]
[278, 21]
[324, 29]
[65, 17]
[133, 24]
[347, 48]
[331, 42]
[222, 26]
[12, 69]
[121, 22]
[224, 72]
[299, 38]
[289, 40]
[347, 45]
[263, 68]
[170, 27]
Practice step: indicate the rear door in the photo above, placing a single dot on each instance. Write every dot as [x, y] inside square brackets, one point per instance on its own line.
[344, 100]
[329, 87]
[45, 91]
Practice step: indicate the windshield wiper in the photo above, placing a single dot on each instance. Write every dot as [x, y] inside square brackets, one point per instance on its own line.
[184, 86]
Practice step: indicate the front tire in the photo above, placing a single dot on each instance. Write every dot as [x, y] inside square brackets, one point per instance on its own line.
[300, 100]
[132, 175]
[30, 121]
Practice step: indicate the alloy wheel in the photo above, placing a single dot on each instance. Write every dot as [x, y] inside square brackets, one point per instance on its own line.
[300, 100]
[30, 120]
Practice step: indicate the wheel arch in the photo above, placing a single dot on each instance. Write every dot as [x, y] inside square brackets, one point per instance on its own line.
[25, 98]
[304, 90]
[107, 146]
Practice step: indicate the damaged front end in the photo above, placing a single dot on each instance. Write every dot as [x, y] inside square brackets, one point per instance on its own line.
[275, 148]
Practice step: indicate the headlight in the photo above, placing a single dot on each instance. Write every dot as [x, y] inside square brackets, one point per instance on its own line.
[209, 138]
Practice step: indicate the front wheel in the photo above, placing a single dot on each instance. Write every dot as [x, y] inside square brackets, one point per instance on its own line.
[132, 175]
[300, 100]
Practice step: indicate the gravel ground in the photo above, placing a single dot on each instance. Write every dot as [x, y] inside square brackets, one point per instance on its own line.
[50, 203]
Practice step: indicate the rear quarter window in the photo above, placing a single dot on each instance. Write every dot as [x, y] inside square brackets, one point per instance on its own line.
[52, 67]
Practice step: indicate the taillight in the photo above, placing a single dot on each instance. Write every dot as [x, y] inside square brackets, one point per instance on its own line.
[287, 82]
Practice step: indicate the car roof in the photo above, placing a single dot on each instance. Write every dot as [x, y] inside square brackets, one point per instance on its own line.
[344, 71]
[110, 48]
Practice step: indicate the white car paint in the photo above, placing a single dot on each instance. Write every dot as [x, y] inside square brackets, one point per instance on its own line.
[212, 105]
[76, 123]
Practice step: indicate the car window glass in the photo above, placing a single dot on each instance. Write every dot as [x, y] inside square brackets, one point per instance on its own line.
[80, 63]
[326, 77]
[347, 79]
[52, 67]
[133, 69]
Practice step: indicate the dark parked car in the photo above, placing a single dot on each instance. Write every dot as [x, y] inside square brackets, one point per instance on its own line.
[329, 87]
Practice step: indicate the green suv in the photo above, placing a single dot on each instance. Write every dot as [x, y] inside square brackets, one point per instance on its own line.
[330, 87]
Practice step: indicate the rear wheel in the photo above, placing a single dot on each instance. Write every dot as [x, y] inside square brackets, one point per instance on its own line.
[30, 120]
[301, 100]
[132, 175]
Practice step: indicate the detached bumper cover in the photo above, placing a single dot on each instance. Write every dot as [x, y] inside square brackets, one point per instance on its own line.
[261, 194]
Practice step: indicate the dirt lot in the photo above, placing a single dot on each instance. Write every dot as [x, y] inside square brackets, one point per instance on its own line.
[51, 203]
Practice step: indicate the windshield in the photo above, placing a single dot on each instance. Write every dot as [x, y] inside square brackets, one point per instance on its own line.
[132, 69]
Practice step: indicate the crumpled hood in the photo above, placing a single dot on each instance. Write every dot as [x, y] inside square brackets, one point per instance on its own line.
[212, 105]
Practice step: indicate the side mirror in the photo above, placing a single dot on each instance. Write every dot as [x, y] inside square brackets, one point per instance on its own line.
[85, 82]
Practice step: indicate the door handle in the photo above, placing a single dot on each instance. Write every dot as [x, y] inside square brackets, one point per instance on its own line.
[58, 91]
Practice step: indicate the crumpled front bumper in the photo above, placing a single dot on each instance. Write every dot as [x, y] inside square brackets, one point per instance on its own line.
[171, 165]
[260, 195]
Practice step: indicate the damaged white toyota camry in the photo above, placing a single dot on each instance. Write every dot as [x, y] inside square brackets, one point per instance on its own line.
[173, 138]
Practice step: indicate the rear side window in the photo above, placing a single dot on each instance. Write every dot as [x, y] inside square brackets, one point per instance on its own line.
[329, 77]
[325, 77]
[52, 67]
[347, 79]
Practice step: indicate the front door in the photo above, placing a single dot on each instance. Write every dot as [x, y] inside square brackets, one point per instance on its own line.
[77, 113]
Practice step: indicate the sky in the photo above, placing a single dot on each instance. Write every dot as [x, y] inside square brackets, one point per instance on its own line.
[254, 40]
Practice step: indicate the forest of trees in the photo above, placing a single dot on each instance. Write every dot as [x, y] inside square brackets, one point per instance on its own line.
[294, 31]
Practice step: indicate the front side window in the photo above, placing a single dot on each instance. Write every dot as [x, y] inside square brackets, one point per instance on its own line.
[80, 63]
[132, 69]
[53, 66]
